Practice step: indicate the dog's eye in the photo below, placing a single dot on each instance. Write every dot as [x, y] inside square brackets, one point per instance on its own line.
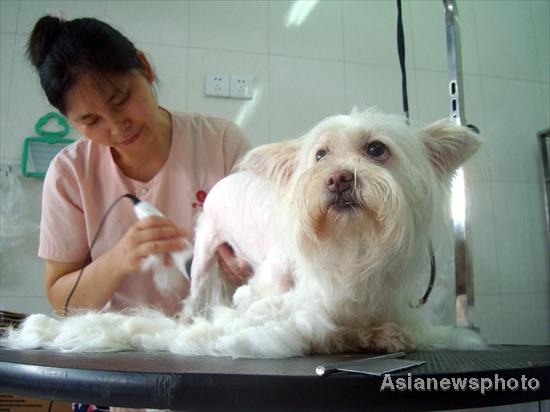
[377, 150]
[320, 154]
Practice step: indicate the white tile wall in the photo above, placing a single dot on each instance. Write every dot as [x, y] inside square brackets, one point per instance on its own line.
[540, 10]
[484, 239]
[318, 36]
[7, 46]
[432, 100]
[19, 260]
[515, 113]
[342, 55]
[213, 25]
[545, 90]
[26, 103]
[488, 315]
[373, 85]
[170, 64]
[507, 46]
[301, 91]
[251, 115]
[519, 243]
[36, 304]
[137, 20]
[369, 33]
[427, 20]
[21, 271]
[525, 318]
[8, 16]
[32, 10]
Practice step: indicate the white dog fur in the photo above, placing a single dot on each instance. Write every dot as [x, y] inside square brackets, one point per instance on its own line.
[336, 225]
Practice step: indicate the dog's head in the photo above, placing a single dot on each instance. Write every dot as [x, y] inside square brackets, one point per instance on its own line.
[365, 182]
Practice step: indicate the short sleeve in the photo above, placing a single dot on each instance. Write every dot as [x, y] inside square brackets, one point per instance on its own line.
[234, 146]
[62, 225]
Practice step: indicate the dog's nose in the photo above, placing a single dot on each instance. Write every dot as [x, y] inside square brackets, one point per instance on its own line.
[339, 181]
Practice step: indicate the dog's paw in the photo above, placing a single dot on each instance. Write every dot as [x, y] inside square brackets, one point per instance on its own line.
[389, 338]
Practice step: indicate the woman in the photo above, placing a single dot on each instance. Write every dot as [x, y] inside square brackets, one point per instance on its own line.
[95, 76]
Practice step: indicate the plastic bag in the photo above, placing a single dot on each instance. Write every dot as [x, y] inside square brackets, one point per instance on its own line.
[15, 228]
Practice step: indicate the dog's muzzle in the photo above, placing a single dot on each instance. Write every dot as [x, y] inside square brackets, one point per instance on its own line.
[339, 181]
[341, 193]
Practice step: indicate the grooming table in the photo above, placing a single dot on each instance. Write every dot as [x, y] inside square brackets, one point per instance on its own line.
[164, 380]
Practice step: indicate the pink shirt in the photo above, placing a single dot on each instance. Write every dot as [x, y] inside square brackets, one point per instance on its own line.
[83, 181]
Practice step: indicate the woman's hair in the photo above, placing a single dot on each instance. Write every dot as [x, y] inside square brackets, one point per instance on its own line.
[63, 50]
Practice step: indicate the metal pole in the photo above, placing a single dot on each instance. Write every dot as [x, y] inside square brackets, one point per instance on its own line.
[464, 282]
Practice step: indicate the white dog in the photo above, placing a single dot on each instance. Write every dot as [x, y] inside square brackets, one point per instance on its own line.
[336, 225]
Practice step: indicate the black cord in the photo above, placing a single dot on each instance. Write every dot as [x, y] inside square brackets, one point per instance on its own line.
[428, 291]
[88, 259]
[401, 53]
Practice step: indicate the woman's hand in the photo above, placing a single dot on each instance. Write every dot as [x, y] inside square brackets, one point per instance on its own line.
[153, 235]
[237, 271]
[145, 237]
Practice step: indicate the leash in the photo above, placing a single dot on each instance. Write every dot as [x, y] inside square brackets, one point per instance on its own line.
[401, 53]
[405, 95]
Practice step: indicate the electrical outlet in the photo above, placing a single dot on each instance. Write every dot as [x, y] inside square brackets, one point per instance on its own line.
[217, 85]
[242, 86]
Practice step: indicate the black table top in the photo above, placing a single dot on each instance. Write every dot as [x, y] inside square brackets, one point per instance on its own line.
[165, 380]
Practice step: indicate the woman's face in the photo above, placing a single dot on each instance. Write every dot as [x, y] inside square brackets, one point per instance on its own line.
[116, 111]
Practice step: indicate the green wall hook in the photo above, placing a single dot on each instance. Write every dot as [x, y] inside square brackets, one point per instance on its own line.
[38, 151]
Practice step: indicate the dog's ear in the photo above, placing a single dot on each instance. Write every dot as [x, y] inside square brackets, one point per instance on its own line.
[275, 161]
[449, 145]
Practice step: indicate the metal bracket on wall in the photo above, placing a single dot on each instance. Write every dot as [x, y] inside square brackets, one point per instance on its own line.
[544, 144]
